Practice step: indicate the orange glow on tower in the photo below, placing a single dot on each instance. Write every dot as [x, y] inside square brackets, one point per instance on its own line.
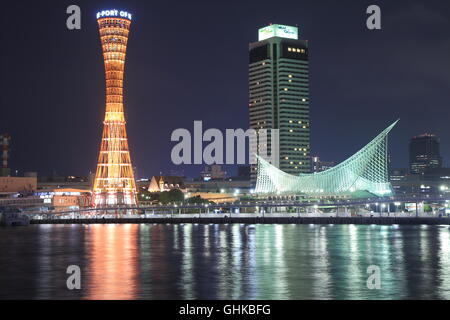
[114, 183]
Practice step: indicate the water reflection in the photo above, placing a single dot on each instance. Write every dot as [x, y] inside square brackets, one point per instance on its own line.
[113, 255]
[188, 261]
[444, 263]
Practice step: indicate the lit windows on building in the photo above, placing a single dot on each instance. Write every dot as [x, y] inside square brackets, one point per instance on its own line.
[285, 76]
[424, 153]
[298, 50]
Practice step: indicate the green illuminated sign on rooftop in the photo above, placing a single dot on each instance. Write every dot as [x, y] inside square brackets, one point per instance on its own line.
[278, 30]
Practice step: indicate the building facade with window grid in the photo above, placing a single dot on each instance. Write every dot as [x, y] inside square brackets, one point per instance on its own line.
[279, 99]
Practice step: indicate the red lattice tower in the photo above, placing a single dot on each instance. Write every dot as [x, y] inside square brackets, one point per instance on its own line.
[114, 183]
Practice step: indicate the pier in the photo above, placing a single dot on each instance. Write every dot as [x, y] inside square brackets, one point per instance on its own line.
[245, 219]
[261, 212]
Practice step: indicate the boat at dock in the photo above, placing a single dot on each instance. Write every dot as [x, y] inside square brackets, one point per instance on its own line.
[13, 217]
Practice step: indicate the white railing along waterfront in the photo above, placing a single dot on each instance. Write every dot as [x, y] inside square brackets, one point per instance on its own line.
[84, 216]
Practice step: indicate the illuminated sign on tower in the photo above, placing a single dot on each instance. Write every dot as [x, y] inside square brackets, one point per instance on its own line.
[114, 183]
[113, 13]
[278, 30]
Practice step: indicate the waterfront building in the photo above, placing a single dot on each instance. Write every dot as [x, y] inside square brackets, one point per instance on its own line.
[433, 182]
[18, 184]
[229, 186]
[397, 177]
[217, 197]
[279, 95]
[114, 183]
[70, 182]
[398, 174]
[213, 172]
[166, 183]
[424, 153]
[17, 200]
[225, 190]
[365, 174]
[62, 199]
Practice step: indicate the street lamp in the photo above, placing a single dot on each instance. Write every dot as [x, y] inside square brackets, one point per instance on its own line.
[396, 205]
[315, 208]
[382, 207]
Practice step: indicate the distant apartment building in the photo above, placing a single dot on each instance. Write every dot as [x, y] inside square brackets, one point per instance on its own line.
[318, 165]
[243, 173]
[397, 178]
[60, 182]
[431, 182]
[424, 153]
[279, 95]
[398, 174]
[213, 172]
[18, 184]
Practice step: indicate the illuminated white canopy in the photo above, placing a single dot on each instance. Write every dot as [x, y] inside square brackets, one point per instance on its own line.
[366, 172]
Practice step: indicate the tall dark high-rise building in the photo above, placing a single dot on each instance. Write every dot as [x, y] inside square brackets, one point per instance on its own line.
[279, 94]
[424, 153]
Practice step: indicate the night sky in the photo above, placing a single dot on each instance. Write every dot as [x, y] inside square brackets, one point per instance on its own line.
[188, 60]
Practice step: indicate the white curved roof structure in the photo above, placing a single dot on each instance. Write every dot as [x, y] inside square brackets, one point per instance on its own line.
[366, 172]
